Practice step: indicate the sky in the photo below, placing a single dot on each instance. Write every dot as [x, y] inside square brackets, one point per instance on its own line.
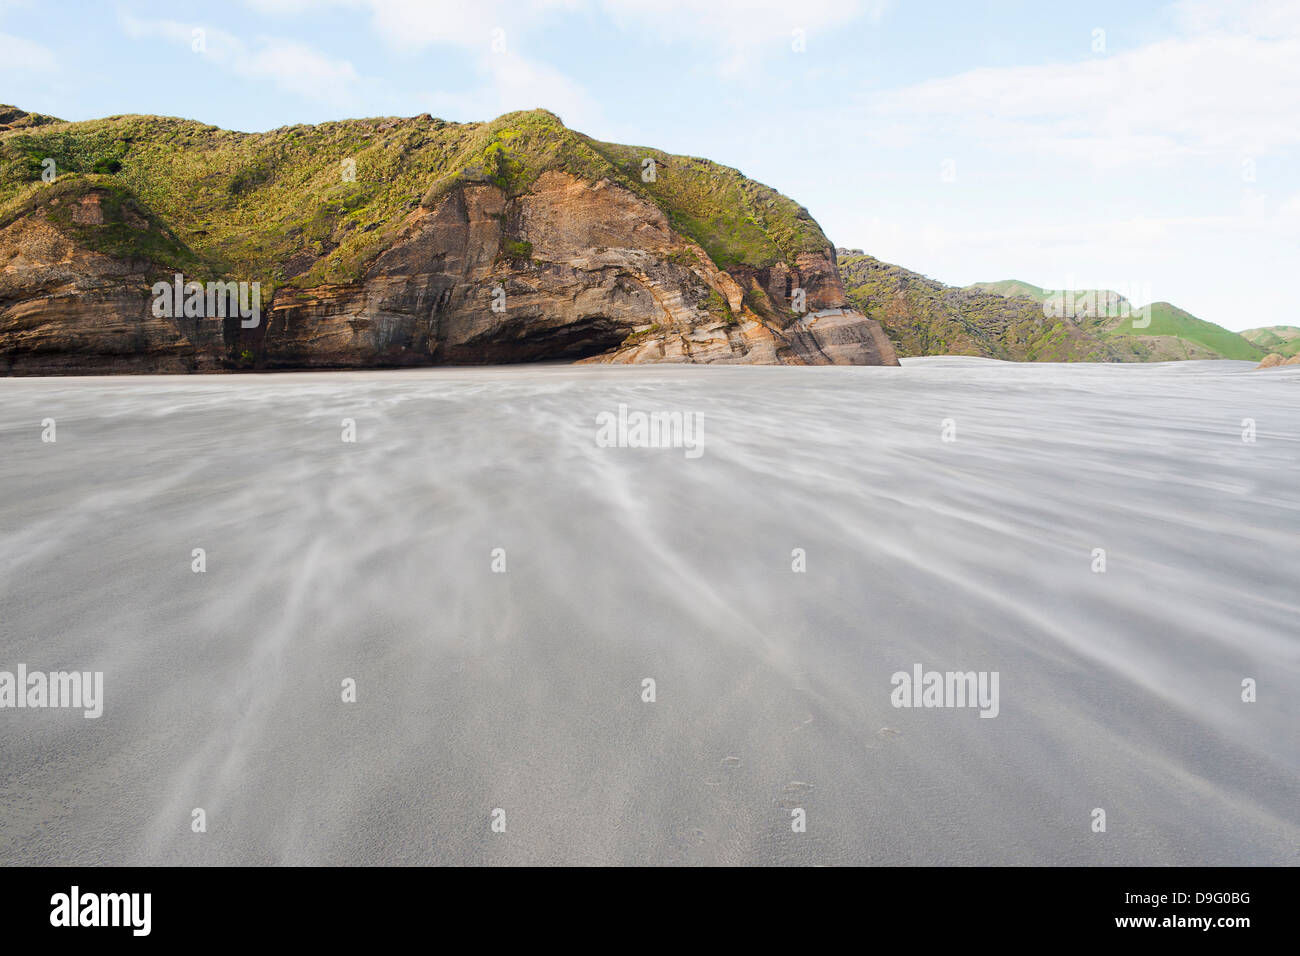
[1152, 148]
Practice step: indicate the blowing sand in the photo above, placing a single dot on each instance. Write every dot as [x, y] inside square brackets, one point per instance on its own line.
[476, 690]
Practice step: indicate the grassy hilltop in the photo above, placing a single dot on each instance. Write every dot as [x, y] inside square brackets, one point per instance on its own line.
[251, 204]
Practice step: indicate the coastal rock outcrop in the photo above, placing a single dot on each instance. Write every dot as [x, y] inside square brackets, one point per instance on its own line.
[525, 242]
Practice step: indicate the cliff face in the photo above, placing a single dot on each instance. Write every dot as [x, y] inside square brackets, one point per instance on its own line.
[514, 241]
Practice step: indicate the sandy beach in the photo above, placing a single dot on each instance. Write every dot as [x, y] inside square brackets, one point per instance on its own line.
[513, 679]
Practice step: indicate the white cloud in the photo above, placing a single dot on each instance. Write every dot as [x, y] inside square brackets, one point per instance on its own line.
[738, 26]
[509, 83]
[735, 34]
[1216, 91]
[292, 66]
[20, 55]
[412, 25]
[299, 69]
[1266, 18]
[739, 32]
[493, 32]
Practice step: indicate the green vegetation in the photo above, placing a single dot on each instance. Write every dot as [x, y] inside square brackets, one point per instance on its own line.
[1282, 339]
[517, 249]
[127, 229]
[1078, 302]
[634, 337]
[757, 299]
[244, 204]
[180, 195]
[717, 307]
[736, 220]
[1012, 288]
[11, 117]
[925, 317]
[1168, 320]
[1012, 330]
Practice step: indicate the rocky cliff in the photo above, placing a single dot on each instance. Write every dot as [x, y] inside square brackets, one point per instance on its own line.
[400, 242]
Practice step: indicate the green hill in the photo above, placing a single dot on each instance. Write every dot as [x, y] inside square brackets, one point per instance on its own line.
[1011, 288]
[1282, 339]
[1170, 321]
[1017, 321]
[11, 117]
[1075, 303]
[248, 203]
[925, 317]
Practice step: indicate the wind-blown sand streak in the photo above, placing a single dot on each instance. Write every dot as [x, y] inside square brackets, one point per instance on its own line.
[521, 690]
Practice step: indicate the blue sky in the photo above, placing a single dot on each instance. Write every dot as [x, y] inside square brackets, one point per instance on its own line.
[967, 141]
